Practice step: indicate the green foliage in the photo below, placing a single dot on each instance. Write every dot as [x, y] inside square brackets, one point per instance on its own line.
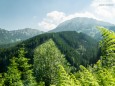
[78, 48]
[19, 72]
[1, 80]
[87, 78]
[103, 72]
[52, 69]
[25, 68]
[75, 82]
[13, 75]
[107, 47]
[64, 79]
[46, 59]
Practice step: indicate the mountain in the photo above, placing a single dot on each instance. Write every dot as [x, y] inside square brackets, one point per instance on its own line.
[83, 24]
[78, 48]
[7, 37]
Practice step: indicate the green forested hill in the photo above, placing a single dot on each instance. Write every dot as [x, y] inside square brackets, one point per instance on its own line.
[78, 48]
[51, 68]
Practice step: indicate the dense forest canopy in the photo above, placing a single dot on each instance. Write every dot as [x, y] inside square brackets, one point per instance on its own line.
[51, 68]
[78, 48]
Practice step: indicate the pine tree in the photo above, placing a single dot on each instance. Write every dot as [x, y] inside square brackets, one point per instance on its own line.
[25, 68]
[13, 75]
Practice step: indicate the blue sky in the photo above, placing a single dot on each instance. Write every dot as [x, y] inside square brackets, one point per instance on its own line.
[41, 14]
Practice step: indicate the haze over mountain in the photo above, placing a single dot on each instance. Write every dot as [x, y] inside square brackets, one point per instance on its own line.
[83, 24]
[17, 35]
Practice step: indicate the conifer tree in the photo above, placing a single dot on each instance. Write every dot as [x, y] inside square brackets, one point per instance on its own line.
[25, 68]
[13, 75]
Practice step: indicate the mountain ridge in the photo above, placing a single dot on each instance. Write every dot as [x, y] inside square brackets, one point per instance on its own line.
[7, 37]
[84, 25]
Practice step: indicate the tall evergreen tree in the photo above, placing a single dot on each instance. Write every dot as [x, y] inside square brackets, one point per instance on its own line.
[13, 75]
[25, 68]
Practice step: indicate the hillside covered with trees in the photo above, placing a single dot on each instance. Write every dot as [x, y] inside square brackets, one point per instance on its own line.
[77, 48]
[37, 62]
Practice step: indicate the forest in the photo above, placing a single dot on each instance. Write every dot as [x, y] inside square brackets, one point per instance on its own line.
[78, 48]
[57, 59]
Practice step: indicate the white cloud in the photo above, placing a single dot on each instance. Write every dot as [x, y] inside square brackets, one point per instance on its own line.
[104, 8]
[45, 26]
[54, 18]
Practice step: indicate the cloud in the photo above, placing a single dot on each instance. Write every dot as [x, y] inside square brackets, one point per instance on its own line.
[104, 8]
[54, 18]
[46, 26]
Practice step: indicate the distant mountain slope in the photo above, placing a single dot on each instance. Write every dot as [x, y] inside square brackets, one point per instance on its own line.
[78, 48]
[7, 37]
[83, 24]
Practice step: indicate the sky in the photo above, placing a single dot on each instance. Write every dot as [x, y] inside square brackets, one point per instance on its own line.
[45, 15]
